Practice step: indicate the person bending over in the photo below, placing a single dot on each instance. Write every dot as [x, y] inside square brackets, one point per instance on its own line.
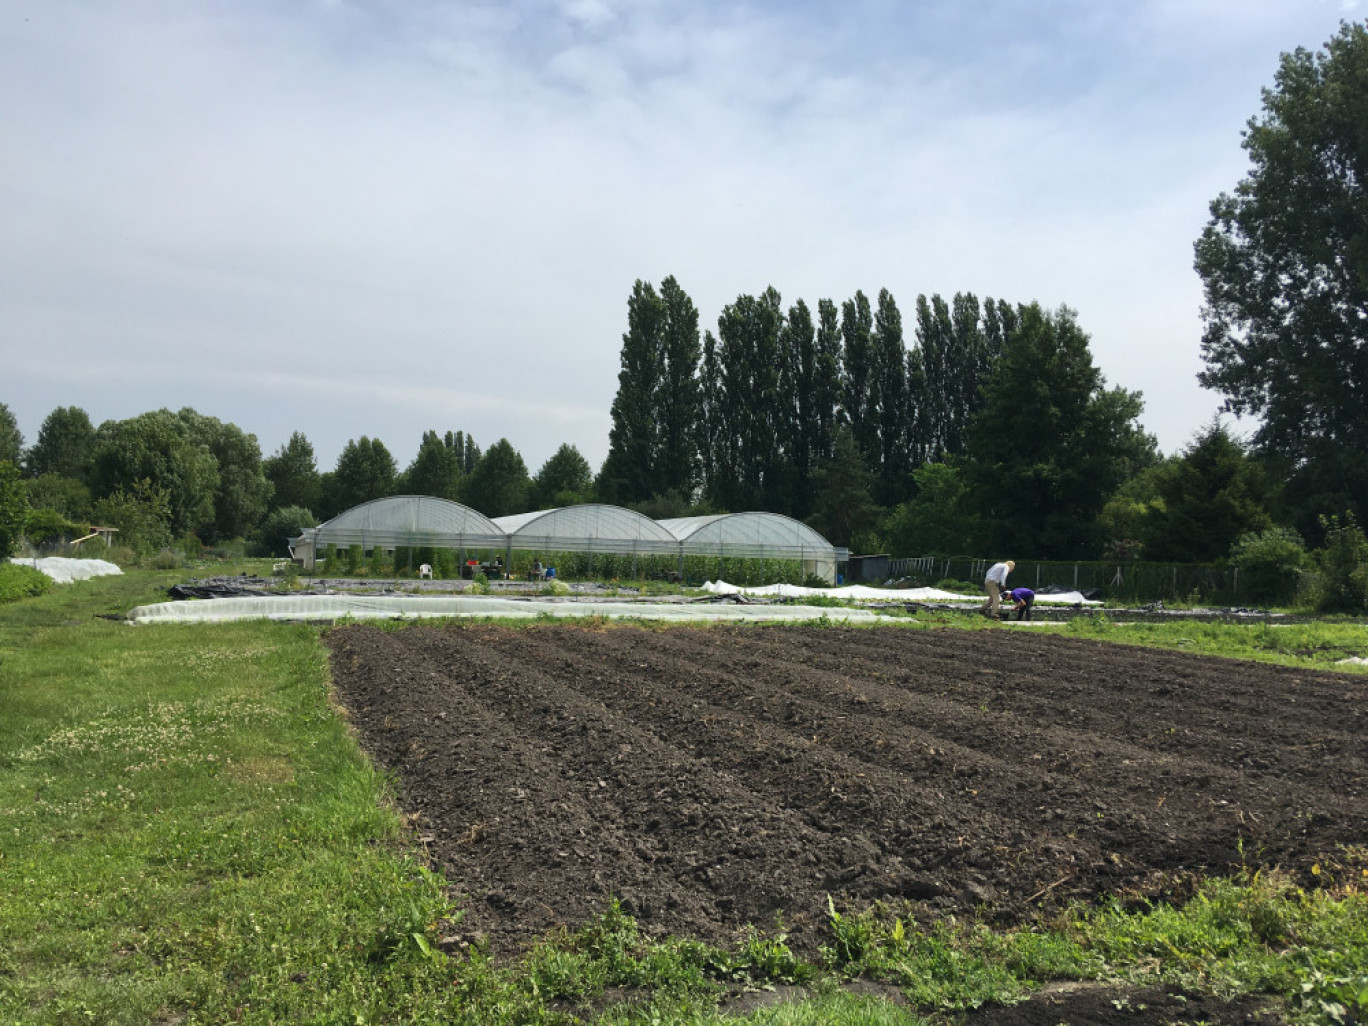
[1022, 601]
[994, 583]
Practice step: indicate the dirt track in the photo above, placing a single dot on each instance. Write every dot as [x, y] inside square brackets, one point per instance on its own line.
[714, 777]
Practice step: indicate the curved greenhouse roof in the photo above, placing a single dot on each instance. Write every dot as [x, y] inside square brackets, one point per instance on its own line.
[755, 535]
[588, 528]
[408, 520]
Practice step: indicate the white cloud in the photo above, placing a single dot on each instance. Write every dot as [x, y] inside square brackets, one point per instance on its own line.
[358, 218]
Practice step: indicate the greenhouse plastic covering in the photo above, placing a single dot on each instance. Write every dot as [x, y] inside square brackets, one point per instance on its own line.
[408, 520]
[64, 570]
[336, 607]
[755, 536]
[862, 593]
[589, 528]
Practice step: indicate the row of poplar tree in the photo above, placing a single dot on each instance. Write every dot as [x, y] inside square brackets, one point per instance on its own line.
[839, 418]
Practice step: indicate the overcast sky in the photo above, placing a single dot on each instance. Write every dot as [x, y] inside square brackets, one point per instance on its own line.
[353, 217]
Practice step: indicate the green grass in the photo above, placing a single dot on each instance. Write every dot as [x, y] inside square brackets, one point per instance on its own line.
[189, 834]
[1318, 645]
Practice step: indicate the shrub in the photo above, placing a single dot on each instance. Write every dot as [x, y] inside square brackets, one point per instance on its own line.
[376, 563]
[18, 582]
[46, 526]
[13, 508]
[1343, 564]
[167, 559]
[1270, 564]
[444, 564]
[355, 557]
[283, 524]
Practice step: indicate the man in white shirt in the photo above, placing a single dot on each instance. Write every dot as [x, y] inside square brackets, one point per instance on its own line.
[995, 583]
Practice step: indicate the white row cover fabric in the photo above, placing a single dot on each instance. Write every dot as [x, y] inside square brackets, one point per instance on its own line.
[336, 607]
[861, 592]
[64, 570]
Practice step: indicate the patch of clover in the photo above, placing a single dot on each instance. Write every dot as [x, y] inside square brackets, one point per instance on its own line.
[160, 734]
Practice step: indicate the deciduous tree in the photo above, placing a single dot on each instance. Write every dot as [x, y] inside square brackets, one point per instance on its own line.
[563, 480]
[1284, 263]
[499, 484]
[293, 474]
[65, 446]
[11, 439]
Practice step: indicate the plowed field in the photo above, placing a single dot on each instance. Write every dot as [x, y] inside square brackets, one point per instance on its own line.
[713, 777]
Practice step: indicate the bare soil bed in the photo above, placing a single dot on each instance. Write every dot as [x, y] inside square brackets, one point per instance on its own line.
[710, 778]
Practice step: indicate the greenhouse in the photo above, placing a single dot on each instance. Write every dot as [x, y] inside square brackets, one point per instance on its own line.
[591, 540]
[401, 522]
[735, 546]
[408, 533]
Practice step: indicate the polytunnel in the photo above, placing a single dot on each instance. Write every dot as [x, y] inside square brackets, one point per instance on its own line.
[755, 536]
[411, 521]
[589, 528]
[593, 538]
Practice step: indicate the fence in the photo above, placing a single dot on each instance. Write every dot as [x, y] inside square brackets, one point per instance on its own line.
[1208, 584]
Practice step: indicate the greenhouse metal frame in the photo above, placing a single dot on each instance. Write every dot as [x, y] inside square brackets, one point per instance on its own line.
[589, 530]
[402, 520]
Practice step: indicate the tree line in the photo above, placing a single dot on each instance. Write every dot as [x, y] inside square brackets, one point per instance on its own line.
[182, 479]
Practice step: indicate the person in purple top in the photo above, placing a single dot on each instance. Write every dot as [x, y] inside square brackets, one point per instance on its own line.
[1022, 601]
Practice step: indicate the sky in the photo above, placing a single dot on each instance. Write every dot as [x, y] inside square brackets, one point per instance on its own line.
[374, 217]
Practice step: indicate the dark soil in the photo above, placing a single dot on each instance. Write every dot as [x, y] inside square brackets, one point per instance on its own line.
[710, 778]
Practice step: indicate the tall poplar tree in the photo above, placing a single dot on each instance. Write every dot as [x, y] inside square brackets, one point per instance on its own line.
[827, 379]
[627, 474]
[889, 402]
[677, 401]
[857, 327]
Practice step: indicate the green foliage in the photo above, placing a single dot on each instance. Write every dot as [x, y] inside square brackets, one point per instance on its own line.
[243, 492]
[937, 519]
[1342, 586]
[281, 525]
[444, 565]
[158, 448]
[11, 439]
[1050, 443]
[141, 512]
[64, 495]
[1270, 564]
[845, 504]
[564, 480]
[499, 484]
[331, 563]
[1209, 497]
[46, 526]
[14, 508]
[65, 446]
[18, 581]
[354, 558]
[293, 474]
[377, 562]
[365, 471]
[652, 444]
[436, 469]
[1284, 262]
